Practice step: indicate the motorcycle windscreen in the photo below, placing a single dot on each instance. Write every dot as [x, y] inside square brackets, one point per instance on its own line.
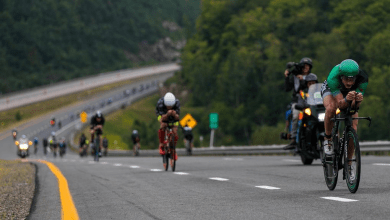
[314, 94]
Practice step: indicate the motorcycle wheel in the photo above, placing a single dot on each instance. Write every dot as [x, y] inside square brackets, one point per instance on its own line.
[306, 160]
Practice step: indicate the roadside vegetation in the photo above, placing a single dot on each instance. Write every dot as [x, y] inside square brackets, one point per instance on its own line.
[48, 41]
[17, 187]
[234, 63]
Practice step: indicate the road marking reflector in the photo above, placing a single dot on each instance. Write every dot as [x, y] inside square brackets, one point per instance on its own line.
[180, 173]
[68, 209]
[381, 164]
[340, 199]
[218, 179]
[267, 187]
[117, 164]
[155, 170]
[134, 167]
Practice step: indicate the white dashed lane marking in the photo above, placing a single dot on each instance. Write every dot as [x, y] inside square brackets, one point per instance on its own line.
[218, 179]
[290, 160]
[381, 164]
[267, 187]
[155, 170]
[117, 164]
[180, 173]
[104, 163]
[340, 199]
[134, 167]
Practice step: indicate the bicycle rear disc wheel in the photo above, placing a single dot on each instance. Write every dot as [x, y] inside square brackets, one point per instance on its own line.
[330, 166]
[352, 178]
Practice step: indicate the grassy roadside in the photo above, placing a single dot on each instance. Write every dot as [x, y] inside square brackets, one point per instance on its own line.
[17, 186]
[17, 116]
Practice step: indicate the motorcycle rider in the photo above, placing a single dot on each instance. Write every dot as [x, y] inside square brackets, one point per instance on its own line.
[296, 82]
[345, 85]
[97, 123]
[136, 141]
[167, 110]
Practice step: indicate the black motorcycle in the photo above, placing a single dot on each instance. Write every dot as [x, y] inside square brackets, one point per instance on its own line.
[311, 131]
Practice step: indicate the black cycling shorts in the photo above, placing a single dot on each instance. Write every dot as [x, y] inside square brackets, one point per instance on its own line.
[325, 90]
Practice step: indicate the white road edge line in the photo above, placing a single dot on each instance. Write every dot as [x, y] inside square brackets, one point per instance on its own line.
[180, 173]
[381, 164]
[218, 179]
[340, 199]
[267, 187]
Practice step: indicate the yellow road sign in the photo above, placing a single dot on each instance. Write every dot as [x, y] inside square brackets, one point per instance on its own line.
[188, 120]
[83, 117]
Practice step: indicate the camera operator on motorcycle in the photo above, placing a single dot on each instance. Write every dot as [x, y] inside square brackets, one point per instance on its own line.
[295, 76]
[167, 108]
[97, 123]
[345, 85]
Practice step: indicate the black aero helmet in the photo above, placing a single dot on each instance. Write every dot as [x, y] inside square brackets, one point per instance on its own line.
[306, 60]
[311, 77]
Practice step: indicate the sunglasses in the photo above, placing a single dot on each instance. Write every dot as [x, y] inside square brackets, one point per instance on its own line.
[349, 78]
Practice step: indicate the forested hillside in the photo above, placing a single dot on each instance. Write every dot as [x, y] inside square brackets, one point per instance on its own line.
[234, 63]
[46, 41]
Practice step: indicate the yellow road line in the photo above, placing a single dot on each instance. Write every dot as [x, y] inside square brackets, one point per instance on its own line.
[68, 210]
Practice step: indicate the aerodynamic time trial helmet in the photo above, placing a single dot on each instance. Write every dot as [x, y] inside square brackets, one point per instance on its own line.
[169, 99]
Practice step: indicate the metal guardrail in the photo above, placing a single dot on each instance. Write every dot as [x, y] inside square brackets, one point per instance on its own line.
[369, 146]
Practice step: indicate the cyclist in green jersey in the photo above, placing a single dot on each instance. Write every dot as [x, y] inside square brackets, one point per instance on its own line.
[345, 83]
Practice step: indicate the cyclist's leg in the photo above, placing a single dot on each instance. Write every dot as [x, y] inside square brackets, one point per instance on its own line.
[351, 146]
[161, 136]
[330, 106]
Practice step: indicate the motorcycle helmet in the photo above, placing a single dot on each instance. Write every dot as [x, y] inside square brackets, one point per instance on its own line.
[169, 99]
[311, 77]
[135, 132]
[307, 61]
[53, 133]
[24, 136]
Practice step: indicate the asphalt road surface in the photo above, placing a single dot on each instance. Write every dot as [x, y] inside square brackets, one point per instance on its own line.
[236, 187]
[244, 187]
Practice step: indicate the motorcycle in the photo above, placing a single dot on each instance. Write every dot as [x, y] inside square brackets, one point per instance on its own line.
[311, 131]
[23, 147]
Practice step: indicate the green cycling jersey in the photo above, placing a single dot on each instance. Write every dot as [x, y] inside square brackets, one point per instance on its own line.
[336, 86]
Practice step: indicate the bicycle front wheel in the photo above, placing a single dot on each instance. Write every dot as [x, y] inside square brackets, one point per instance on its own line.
[352, 162]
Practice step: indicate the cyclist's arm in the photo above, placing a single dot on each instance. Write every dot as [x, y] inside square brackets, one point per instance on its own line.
[362, 88]
[333, 81]
[341, 103]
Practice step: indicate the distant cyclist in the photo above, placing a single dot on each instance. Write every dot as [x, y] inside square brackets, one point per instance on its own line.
[97, 123]
[188, 137]
[167, 110]
[45, 143]
[345, 84]
[53, 143]
[35, 145]
[105, 146]
[82, 141]
[136, 142]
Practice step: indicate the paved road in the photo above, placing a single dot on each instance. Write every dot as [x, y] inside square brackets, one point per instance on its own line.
[245, 187]
[47, 92]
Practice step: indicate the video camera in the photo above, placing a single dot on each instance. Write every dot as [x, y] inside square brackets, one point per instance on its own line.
[294, 68]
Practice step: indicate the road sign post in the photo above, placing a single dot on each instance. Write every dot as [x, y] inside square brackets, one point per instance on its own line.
[213, 117]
